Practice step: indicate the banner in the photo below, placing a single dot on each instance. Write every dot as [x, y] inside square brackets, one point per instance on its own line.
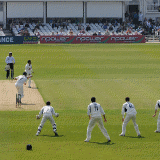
[18, 40]
[93, 39]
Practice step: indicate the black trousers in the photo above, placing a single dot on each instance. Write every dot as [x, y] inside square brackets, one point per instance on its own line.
[12, 71]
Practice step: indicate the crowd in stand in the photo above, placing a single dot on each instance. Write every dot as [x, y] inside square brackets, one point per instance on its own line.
[134, 25]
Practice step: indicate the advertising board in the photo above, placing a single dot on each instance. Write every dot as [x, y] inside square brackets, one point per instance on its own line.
[93, 39]
[18, 40]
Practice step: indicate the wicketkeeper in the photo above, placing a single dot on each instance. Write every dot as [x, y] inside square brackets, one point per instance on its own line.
[130, 114]
[10, 65]
[94, 113]
[47, 112]
[158, 120]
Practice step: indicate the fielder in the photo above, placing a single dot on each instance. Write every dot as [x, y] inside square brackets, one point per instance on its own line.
[29, 71]
[130, 114]
[10, 61]
[20, 81]
[158, 121]
[47, 112]
[94, 113]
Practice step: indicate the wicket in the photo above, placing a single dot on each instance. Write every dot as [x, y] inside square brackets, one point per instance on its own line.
[18, 99]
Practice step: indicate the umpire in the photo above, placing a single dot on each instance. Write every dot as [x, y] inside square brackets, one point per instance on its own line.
[10, 61]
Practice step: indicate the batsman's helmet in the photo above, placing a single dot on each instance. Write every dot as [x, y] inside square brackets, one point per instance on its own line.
[29, 147]
[10, 53]
[24, 73]
[48, 103]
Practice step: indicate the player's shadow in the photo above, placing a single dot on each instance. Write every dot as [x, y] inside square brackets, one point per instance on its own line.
[103, 143]
[35, 88]
[135, 137]
[27, 104]
[51, 135]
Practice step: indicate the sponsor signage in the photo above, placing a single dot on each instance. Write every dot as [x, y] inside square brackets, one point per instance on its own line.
[18, 40]
[93, 39]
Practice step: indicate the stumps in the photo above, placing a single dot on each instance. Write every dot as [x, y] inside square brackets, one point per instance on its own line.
[18, 99]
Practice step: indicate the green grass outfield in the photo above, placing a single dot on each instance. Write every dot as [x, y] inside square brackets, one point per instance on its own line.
[68, 76]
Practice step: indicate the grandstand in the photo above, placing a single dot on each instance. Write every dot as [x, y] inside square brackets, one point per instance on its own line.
[66, 17]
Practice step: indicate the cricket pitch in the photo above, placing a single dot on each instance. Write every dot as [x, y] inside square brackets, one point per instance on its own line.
[32, 99]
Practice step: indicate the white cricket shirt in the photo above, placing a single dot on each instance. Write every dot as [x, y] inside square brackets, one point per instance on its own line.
[158, 103]
[47, 110]
[10, 59]
[20, 80]
[95, 110]
[129, 107]
[28, 68]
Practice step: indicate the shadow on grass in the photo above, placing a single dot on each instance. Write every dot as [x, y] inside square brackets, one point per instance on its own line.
[35, 88]
[27, 104]
[103, 143]
[135, 137]
[51, 135]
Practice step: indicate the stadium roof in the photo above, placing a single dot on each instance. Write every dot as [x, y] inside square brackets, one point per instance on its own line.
[64, 0]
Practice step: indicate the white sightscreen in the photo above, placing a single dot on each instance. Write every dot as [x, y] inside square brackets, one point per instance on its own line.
[104, 9]
[24, 9]
[64, 9]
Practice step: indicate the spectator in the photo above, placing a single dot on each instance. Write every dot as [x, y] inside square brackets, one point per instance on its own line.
[105, 26]
[37, 26]
[38, 35]
[110, 28]
[35, 31]
[126, 15]
[26, 25]
[135, 18]
[136, 33]
[61, 33]
[83, 31]
[118, 29]
[99, 33]
[129, 31]
[140, 18]
[88, 28]
[113, 33]
[95, 34]
[80, 33]
[79, 26]
[107, 33]
[71, 32]
[52, 33]
[57, 34]
[122, 33]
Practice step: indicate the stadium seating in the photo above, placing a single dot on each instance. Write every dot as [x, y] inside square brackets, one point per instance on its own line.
[2, 33]
[46, 29]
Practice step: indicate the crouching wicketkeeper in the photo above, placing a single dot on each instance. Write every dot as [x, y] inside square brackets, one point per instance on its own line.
[47, 112]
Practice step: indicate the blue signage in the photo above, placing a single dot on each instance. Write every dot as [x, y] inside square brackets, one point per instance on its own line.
[18, 40]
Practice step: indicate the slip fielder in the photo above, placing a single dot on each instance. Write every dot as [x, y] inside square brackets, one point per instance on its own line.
[47, 112]
[130, 114]
[21, 79]
[29, 71]
[158, 120]
[94, 113]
